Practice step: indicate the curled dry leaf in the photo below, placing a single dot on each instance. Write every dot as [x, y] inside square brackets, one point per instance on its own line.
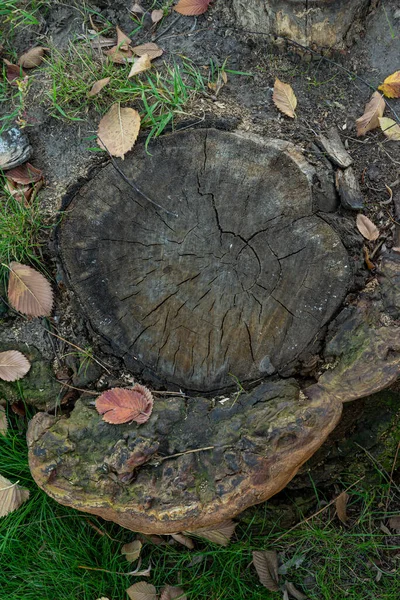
[182, 539]
[157, 15]
[3, 421]
[266, 564]
[118, 55]
[142, 591]
[394, 523]
[137, 9]
[391, 86]
[28, 291]
[118, 130]
[98, 86]
[11, 496]
[374, 109]
[341, 506]
[122, 405]
[13, 72]
[140, 65]
[152, 50]
[191, 8]
[366, 227]
[284, 98]
[32, 58]
[122, 39]
[390, 128]
[24, 174]
[220, 534]
[171, 592]
[294, 592]
[13, 365]
[132, 550]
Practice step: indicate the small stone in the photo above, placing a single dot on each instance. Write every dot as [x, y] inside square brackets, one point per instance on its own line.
[14, 148]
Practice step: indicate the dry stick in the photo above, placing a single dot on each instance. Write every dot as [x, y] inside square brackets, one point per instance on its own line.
[391, 476]
[317, 513]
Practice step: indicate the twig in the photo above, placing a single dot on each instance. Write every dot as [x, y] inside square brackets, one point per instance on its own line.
[162, 458]
[391, 476]
[72, 387]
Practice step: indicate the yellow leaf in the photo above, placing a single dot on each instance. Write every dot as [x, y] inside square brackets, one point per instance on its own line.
[390, 128]
[284, 98]
[118, 130]
[141, 64]
[373, 111]
[391, 86]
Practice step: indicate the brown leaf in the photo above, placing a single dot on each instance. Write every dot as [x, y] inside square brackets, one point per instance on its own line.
[132, 550]
[13, 365]
[119, 55]
[293, 591]
[390, 128]
[141, 64]
[32, 58]
[284, 98]
[118, 130]
[29, 292]
[391, 86]
[190, 8]
[24, 174]
[3, 419]
[98, 86]
[13, 72]
[220, 534]
[121, 405]
[266, 564]
[157, 15]
[370, 265]
[394, 523]
[182, 539]
[137, 9]
[366, 227]
[152, 50]
[11, 496]
[122, 39]
[374, 109]
[341, 504]
[171, 592]
[142, 591]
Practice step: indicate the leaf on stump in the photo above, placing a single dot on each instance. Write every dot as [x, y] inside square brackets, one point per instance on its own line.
[132, 550]
[152, 50]
[171, 592]
[32, 58]
[29, 292]
[157, 15]
[390, 128]
[182, 539]
[24, 174]
[374, 109]
[391, 86]
[118, 130]
[341, 505]
[140, 65]
[191, 8]
[122, 39]
[3, 421]
[142, 591]
[13, 365]
[366, 227]
[220, 534]
[266, 564]
[122, 405]
[11, 496]
[98, 86]
[284, 98]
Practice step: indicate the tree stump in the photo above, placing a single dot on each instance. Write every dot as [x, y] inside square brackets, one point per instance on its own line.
[324, 23]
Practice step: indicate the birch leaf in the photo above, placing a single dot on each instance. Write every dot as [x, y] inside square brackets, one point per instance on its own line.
[132, 550]
[284, 98]
[122, 405]
[367, 228]
[220, 534]
[390, 128]
[24, 174]
[142, 591]
[373, 111]
[29, 292]
[98, 86]
[171, 592]
[13, 365]
[118, 130]
[266, 564]
[391, 86]
[182, 539]
[11, 496]
[141, 64]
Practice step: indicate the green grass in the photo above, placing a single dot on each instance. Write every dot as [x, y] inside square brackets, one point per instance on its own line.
[43, 545]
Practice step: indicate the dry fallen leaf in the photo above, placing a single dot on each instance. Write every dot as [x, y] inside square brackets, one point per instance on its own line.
[141, 64]
[190, 8]
[151, 49]
[157, 15]
[142, 591]
[220, 534]
[137, 9]
[13, 365]
[118, 55]
[132, 550]
[293, 591]
[391, 86]
[24, 174]
[122, 39]
[340, 505]
[121, 405]
[366, 227]
[284, 98]
[11, 496]
[32, 58]
[374, 109]
[182, 539]
[394, 523]
[266, 564]
[98, 86]
[13, 72]
[370, 265]
[29, 292]
[171, 592]
[3, 420]
[118, 130]
[390, 128]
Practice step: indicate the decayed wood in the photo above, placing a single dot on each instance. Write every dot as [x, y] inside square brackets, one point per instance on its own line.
[239, 282]
[349, 189]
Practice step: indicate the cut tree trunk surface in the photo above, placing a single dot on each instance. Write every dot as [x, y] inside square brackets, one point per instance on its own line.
[238, 283]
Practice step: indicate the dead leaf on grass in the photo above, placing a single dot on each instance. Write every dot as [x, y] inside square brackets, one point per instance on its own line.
[391, 86]
[13, 72]
[151, 49]
[182, 539]
[157, 15]
[122, 405]
[122, 39]
[341, 505]
[374, 109]
[13, 365]
[11, 496]
[132, 550]
[293, 591]
[118, 130]
[3, 419]
[24, 174]
[266, 564]
[142, 591]
[98, 86]
[171, 592]
[140, 65]
[284, 98]
[366, 227]
[137, 9]
[118, 55]
[394, 523]
[390, 128]
[29, 292]
[191, 8]
[220, 534]
[33, 58]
